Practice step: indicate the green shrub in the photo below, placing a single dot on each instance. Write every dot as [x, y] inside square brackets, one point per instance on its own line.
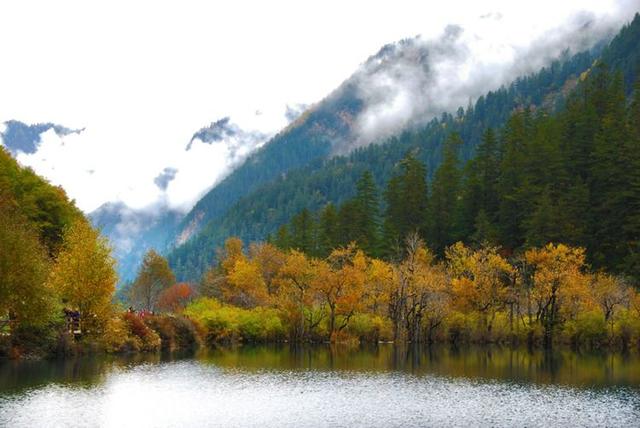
[260, 324]
[626, 329]
[226, 323]
[458, 327]
[370, 328]
[38, 340]
[588, 329]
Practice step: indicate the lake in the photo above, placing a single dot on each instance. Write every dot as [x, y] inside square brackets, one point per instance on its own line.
[276, 386]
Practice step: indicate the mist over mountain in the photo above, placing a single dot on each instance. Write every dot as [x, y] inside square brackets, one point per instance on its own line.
[403, 87]
[408, 83]
[132, 231]
[223, 168]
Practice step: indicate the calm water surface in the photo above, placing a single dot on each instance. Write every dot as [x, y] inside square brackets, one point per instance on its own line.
[323, 386]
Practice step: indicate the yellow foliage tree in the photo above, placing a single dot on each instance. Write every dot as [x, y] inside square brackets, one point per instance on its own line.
[230, 254]
[480, 281]
[84, 275]
[558, 285]
[245, 285]
[25, 297]
[609, 292]
[379, 284]
[295, 296]
[340, 284]
[420, 298]
[270, 259]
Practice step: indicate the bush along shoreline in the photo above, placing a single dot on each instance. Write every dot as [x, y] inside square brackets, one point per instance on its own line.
[544, 297]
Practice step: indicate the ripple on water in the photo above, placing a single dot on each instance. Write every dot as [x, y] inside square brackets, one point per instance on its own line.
[195, 394]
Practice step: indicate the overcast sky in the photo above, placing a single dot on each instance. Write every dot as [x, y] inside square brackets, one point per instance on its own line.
[142, 77]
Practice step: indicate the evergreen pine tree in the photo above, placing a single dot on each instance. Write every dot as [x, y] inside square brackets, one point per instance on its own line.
[443, 213]
[406, 202]
[328, 230]
[302, 232]
[367, 214]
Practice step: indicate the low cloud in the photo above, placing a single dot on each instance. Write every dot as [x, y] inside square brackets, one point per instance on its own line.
[415, 80]
[293, 111]
[165, 177]
[95, 173]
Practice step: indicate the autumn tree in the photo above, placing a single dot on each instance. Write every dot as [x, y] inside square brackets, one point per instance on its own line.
[480, 282]
[44, 207]
[153, 278]
[295, 296]
[84, 275]
[211, 283]
[269, 259]
[175, 298]
[609, 292]
[379, 285]
[229, 254]
[557, 271]
[339, 282]
[245, 285]
[25, 297]
[420, 298]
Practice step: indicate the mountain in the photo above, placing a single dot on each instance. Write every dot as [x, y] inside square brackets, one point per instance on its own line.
[303, 166]
[318, 127]
[21, 137]
[132, 232]
[403, 86]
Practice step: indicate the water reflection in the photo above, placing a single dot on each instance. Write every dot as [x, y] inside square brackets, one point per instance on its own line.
[564, 367]
[275, 386]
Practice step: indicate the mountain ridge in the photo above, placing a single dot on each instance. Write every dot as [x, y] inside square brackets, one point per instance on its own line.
[251, 219]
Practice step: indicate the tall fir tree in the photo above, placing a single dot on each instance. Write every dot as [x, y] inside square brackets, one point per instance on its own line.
[367, 205]
[303, 232]
[406, 203]
[443, 212]
[328, 230]
[479, 187]
[513, 159]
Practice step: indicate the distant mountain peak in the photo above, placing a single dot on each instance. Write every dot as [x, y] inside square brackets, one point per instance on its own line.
[216, 131]
[21, 137]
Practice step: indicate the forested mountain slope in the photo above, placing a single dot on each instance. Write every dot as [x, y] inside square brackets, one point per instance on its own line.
[403, 86]
[333, 180]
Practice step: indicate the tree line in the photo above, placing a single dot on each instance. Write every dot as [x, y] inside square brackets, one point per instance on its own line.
[535, 238]
[545, 295]
[573, 178]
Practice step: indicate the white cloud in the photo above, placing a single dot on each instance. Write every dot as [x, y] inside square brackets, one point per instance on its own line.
[417, 79]
[143, 76]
